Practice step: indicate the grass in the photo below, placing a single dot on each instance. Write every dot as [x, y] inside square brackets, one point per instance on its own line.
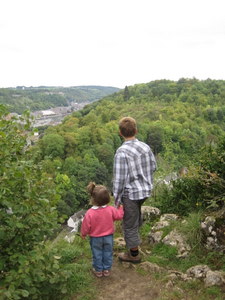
[163, 255]
[76, 255]
[190, 228]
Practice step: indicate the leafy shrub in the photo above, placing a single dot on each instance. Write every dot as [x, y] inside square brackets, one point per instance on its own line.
[47, 274]
[27, 197]
[203, 186]
[28, 269]
[182, 197]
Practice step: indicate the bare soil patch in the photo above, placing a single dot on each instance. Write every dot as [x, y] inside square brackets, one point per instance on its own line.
[126, 283]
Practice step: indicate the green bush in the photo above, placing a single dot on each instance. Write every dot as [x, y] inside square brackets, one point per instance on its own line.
[48, 274]
[28, 218]
[182, 197]
[203, 187]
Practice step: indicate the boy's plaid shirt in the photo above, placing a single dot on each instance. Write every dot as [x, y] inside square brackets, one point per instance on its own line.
[134, 164]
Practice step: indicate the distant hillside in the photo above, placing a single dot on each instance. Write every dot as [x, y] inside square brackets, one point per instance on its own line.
[39, 98]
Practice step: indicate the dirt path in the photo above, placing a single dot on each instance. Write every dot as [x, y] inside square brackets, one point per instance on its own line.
[126, 283]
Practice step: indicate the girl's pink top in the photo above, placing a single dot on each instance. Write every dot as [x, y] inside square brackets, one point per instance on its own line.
[99, 221]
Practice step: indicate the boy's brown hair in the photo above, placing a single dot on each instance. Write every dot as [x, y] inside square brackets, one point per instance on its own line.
[99, 194]
[128, 127]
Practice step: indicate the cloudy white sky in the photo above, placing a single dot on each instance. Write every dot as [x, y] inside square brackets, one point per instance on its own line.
[110, 42]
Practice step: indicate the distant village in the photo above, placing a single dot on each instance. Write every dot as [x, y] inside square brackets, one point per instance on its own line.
[49, 117]
[54, 116]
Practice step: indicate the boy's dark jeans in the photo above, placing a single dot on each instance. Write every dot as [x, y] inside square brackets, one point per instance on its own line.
[132, 220]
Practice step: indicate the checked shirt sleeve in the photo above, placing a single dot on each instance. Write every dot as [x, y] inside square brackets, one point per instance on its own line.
[120, 173]
[153, 165]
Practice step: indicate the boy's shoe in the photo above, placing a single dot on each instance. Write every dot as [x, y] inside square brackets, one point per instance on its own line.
[106, 273]
[127, 257]
[97, 273]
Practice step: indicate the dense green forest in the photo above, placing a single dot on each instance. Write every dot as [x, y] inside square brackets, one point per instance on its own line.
[177, 119]
[42, 185]
[21, 98]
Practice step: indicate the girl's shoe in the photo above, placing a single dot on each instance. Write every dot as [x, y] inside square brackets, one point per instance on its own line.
[97, 273]
[106, 273]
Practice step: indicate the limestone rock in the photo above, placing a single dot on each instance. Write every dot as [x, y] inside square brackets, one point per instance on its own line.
[175, 239]
[155, 237]
[168, 217]
[150, 267]
[149, 212]
[75, 221]
[214, 278]
[164, 221]
[159, 225]
[174, 275]
[120, 242]
[198, 271]
[214, 235]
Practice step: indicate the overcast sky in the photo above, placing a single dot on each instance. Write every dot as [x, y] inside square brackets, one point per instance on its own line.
[110, 42]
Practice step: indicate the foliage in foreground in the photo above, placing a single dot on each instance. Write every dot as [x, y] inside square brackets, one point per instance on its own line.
[29, 269]
[48, 273]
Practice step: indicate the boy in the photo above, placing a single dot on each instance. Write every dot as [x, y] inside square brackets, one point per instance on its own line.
[134, 164]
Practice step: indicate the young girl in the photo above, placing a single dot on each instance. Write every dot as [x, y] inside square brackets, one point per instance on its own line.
[98, 223]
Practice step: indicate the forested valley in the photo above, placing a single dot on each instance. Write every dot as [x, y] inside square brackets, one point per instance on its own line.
[24, 98]
[42, 185]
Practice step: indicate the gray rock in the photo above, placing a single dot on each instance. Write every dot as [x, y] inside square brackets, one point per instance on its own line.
[120, 242]
[159, 225]
[198, 271]
[74, 222]
[155, 237]
[214, 278]
[208, 227]
[169, 217]
[151, 267]
[175, 239]
[149, 213]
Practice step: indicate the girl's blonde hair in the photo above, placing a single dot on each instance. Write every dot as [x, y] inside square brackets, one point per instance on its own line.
[99, 194]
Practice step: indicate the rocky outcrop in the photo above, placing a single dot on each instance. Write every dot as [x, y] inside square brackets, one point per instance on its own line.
[164, 221]
[210, 278]
[74, 222]
[198, 271]
[155, 237]
[203, 273]
[208, 227]
[175, 239]
[151, 267]
[149, 213]
[74, 225]
[214, 234]
[214, 278]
